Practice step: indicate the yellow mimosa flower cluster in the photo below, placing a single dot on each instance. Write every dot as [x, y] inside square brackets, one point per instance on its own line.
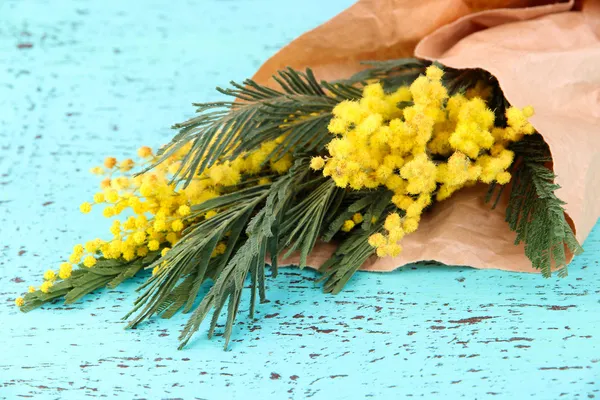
[421, 152]
[157, 210]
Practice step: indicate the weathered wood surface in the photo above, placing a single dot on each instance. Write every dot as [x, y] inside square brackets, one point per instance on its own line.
[83, 79]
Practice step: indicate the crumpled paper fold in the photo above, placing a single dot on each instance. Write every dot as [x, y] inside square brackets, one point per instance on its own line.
[543, 53]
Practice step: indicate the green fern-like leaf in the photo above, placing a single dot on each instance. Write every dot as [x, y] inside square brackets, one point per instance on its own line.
[300, 109]
[106, 273]
[535, 213]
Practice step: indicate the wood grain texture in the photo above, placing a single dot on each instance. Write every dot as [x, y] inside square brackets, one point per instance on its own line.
[83, 79]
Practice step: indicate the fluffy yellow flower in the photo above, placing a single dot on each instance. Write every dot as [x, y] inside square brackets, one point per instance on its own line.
[112, 196]
[110, 162]
[144, 152]
[108, 212]
[410, 225]
[89, 261]
[49, 275]
[348, 225]
[139, 237]
[142, 251]
[177, 225]
[392, 221]
[126, 165]
[153, 245]
[434, 146]
[317, 163]
[220, 248]
[93, 245]
[503, 178]
[65, 270]
[357, 218]
[85, 207]
[19, 301]
[184, 210]
[393, 249]
[99, 198]
[45, 287]
[377, 240]
[434, 73]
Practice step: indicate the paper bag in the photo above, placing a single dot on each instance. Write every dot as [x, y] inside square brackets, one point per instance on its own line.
[544, 53]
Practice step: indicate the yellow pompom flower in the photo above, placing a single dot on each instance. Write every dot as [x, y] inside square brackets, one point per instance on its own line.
[317, 163]
[45, 287]
[49, 275]
[85, 207]
[282, 165]
[395, 235]
[110, 162]
[160, 225]
[184, 210]
[220, 249]
[115, 228]
[177, 225]
[393, 249]
[382, 251]
[126, 165]
[112, 196]
[392, 221]
[141, 221]
[19, 301]
[31, 289]
[99, 198]
[210, 214]
[377, 240]
[164, 251]
[89, 261]
[65, 270]
[139, 237]
[144, 152]
[503, 178]
[357, 218]
[142, 251]
[410, 225]
[434, 73]
[172, 237]
[153, 245]
[92, 246]
[348, 225]
[129, 254]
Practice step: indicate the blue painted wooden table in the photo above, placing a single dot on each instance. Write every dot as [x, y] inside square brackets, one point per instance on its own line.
[80, 80]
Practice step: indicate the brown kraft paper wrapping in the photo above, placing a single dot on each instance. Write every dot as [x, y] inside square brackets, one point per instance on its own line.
[544, 53]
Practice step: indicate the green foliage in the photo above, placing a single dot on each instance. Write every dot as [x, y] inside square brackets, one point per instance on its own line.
[299, 207]
[535, 213]
[351, 254]
[265, 233]
[300, 109]
[187, 264]
[391, 73]
[106, 273]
